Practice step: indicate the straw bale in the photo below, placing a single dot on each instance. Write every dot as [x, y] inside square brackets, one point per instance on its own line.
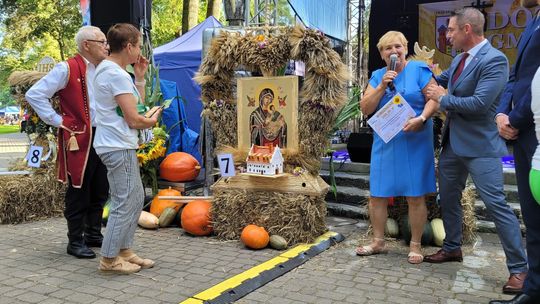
[468, 198]
[297, 218]
[31, 197]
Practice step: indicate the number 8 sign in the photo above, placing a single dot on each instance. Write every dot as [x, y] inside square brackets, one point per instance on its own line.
[34, 156]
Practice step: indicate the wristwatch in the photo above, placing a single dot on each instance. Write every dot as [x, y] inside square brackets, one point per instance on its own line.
[423, 119]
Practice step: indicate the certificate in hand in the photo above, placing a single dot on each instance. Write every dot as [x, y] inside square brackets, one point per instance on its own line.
[391, 118]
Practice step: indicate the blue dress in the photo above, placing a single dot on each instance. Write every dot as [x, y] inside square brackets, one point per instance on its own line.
[404, 166]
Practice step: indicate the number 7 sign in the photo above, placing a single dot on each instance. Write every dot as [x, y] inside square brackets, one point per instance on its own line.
[226, 165]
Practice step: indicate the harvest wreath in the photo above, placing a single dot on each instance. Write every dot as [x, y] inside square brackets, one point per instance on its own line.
[323, 94]
[294, 206]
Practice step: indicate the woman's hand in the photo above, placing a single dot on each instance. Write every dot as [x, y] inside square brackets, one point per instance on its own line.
[414, 124]
[388, 77]
[140, 67]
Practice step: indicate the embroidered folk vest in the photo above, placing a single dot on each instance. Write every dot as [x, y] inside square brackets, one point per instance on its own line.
[75, 134]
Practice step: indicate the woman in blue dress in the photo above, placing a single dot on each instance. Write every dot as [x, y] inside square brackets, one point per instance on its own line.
[404, 166]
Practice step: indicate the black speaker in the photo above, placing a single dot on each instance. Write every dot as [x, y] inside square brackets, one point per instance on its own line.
[106, 13]
[359, 146]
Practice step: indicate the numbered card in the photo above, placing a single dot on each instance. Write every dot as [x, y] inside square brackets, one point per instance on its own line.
[34, 156]
[226, 165]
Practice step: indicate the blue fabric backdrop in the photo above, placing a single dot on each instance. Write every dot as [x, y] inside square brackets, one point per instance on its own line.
[178, 61]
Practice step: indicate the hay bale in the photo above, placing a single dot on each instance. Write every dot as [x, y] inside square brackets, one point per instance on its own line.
[31, 197]
[298, 218]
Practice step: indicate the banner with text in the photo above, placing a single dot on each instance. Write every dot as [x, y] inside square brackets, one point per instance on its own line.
[505, 19]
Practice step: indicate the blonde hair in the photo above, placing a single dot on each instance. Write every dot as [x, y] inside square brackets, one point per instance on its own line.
[390, 37]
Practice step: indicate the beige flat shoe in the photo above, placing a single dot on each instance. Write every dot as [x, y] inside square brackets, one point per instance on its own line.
[118, 266]
[144, 263]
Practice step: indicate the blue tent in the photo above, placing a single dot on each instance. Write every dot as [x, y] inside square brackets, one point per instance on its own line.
[178, 61]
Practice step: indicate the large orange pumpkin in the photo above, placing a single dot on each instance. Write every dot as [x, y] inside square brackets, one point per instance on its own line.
[195, 218]
[254, 237]
[158, 205]
[179, 167]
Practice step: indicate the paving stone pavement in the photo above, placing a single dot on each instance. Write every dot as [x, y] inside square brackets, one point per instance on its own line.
[13, 146]
[34, 268]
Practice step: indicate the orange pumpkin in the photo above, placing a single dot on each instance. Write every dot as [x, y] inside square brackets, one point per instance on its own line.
[255, 237]
[158, 205]
[195, 218]
[179, 167]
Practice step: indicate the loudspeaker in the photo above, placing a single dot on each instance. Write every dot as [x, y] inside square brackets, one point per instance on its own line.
[359, 146]
[106, 13]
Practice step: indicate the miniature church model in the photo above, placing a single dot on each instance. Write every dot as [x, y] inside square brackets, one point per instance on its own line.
[264, 160]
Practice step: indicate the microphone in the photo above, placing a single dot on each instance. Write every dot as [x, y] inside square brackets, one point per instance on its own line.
[392, 67]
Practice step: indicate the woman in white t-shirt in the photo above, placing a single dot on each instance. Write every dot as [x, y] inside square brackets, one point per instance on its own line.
[116, 142]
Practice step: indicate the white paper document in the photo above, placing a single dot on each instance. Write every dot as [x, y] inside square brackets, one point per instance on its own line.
[391, 118]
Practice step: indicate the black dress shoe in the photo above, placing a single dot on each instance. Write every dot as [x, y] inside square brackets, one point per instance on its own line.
[519, 299]
[80, 250]
[96, 243]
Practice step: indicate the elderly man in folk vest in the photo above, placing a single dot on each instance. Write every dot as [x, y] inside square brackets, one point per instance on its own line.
[78, 163]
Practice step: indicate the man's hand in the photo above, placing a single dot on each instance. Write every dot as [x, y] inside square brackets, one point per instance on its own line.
[506, 130]
[433, 92]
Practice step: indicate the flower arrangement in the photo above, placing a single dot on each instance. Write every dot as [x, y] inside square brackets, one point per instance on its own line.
[150, 155]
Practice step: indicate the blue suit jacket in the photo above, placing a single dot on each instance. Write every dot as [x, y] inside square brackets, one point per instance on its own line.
[518, 88]
[471, 104]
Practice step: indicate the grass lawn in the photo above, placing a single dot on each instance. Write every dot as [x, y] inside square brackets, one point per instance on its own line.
[4, 129]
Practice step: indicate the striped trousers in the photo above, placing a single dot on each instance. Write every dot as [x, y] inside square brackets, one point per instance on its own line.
[126, 200]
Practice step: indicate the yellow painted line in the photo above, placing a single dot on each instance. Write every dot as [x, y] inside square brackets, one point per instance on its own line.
[192, 301]
[235, 281]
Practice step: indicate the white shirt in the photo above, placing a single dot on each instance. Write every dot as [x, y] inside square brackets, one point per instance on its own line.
[535, 108]
[472, 52]
[42, 91]
[112, 130]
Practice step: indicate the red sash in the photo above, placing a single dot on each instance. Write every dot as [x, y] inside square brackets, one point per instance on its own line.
[75, 124]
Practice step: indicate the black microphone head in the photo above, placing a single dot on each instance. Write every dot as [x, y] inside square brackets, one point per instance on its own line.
[393, 62]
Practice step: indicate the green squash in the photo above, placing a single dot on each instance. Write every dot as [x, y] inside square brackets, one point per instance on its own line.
[405, 228]
[278, 242]
[438, 231]
[167, 217]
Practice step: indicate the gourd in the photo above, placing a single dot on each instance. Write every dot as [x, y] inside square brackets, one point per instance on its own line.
[179, 167]
[254, 237]
[438, 231]
[158, 205]
[391, 228]
[195, 218]
[167, 217]
[148, 220]
[405, 227]
[278, 242]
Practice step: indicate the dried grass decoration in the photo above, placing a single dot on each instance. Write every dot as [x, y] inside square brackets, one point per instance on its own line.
[268, 50]
[39, 194]
[31, 197]
[283, 206]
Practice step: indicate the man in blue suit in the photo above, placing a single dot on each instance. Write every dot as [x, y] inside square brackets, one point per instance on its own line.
[471, 142]
[515, 122]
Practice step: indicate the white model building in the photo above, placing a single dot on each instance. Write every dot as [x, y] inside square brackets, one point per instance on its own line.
[264, 160]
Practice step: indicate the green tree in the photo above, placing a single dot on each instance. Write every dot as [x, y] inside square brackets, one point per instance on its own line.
[33, 29]
[166, 20]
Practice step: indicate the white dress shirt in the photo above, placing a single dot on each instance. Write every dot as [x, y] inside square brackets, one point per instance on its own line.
[42, 91]
[472, 52]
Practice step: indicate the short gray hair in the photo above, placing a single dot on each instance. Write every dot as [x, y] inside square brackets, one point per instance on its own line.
[472, 16]
[86, 32]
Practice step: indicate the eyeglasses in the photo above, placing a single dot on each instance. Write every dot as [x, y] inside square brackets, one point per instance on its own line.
[103, 42]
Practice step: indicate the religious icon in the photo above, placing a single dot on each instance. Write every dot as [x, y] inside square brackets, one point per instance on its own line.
[264, 116]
